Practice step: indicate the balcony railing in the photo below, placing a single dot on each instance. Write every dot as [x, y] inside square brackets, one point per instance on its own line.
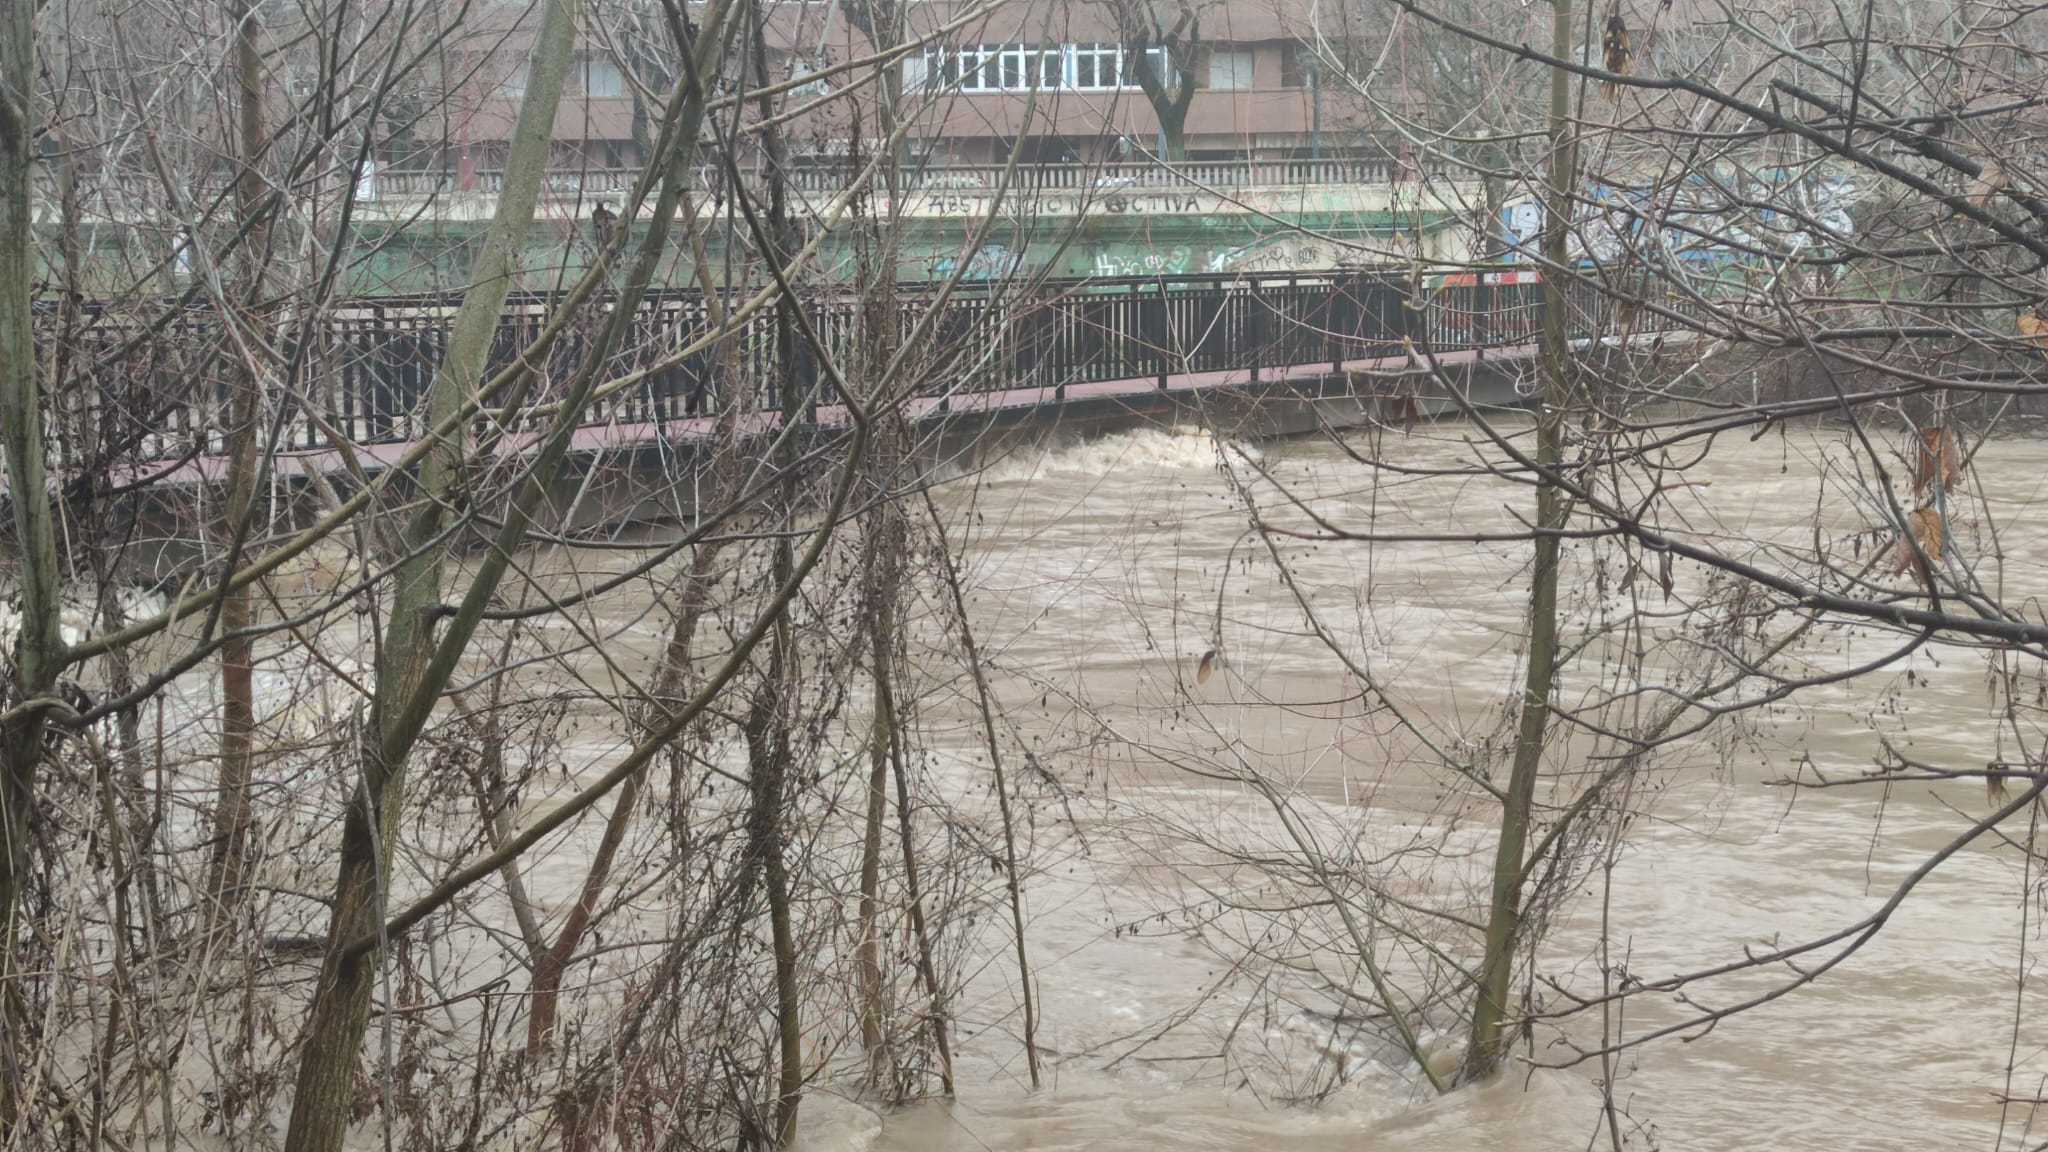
[591, 183]
[132, 191]
[1080, 177]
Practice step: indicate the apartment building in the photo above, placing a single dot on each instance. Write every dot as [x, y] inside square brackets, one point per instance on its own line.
[1060, 84]
[1050, 82]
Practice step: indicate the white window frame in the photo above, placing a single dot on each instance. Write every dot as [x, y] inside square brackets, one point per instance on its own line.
[1054, 56]
[1161, 67]
[1111, 55]
[1243, 69]
[980, 68]
[798, 69]
[1014, 67]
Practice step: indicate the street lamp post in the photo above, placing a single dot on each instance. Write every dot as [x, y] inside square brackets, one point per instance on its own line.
[1315, 123]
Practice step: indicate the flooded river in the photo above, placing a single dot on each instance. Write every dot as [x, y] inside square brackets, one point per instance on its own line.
[1104, 572]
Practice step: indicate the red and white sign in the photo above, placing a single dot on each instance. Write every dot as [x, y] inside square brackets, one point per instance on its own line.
[1474, 279]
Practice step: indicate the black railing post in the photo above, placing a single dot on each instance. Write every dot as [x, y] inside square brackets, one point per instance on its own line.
[942, 327]
[1332, 297]
[1254, 328]
[807, 360]
[1160, 347]
[1044, 359]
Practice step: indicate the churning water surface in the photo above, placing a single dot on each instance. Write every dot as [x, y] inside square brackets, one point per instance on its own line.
[1103, 573]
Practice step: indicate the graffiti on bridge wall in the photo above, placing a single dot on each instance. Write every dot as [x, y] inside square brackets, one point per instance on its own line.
[1124, 260]
[989, 262]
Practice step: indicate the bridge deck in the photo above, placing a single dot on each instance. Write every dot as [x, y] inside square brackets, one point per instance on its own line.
[988, 354]
[602, 439]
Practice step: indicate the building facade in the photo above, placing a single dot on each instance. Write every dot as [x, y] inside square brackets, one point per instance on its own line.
[1054, 84]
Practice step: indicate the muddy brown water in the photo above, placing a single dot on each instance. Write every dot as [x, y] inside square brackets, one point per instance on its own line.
[1101, 573]
[1097, 570]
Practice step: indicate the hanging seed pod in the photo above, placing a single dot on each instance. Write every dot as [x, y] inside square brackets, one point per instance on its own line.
[1614, 47]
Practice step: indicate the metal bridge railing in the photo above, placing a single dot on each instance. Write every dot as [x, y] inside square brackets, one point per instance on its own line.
[367, 367]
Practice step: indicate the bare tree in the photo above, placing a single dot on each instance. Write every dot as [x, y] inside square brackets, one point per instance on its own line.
[38, 658]
[1163, 55]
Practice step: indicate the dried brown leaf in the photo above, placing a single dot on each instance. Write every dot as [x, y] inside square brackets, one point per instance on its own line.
[1407, 410]
[1937, 444]
[2032, 328]
[1990, 180]
[1924, 524]
[1207, 667]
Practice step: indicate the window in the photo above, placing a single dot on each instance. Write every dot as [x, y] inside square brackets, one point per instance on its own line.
[1296, 63]
[988, 68]
[937, 68]
[976, 67]
[1021, 67]
[1161, 68]
[1097, 66]
[601, 77]
[798, 69]
[1011, 60]
[1052, 68]
[1230, 68]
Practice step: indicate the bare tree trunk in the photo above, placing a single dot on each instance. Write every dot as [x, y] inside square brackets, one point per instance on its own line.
[772, 701]
[549, 966]
[768, 755]
[886, 544]
[881, 23]
[1173, 128]
[413, 665]
[552, 963]
[926, 963]
[868, 952]
[884, 580]
[237, 654]
[39, 654]
[1182, 56]
[341, 1001]
[1492, 1034]
[788, 1012]
[971, 652]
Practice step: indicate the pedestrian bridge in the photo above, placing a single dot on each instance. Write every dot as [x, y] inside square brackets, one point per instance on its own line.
[1287, 353]
[366, 367]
